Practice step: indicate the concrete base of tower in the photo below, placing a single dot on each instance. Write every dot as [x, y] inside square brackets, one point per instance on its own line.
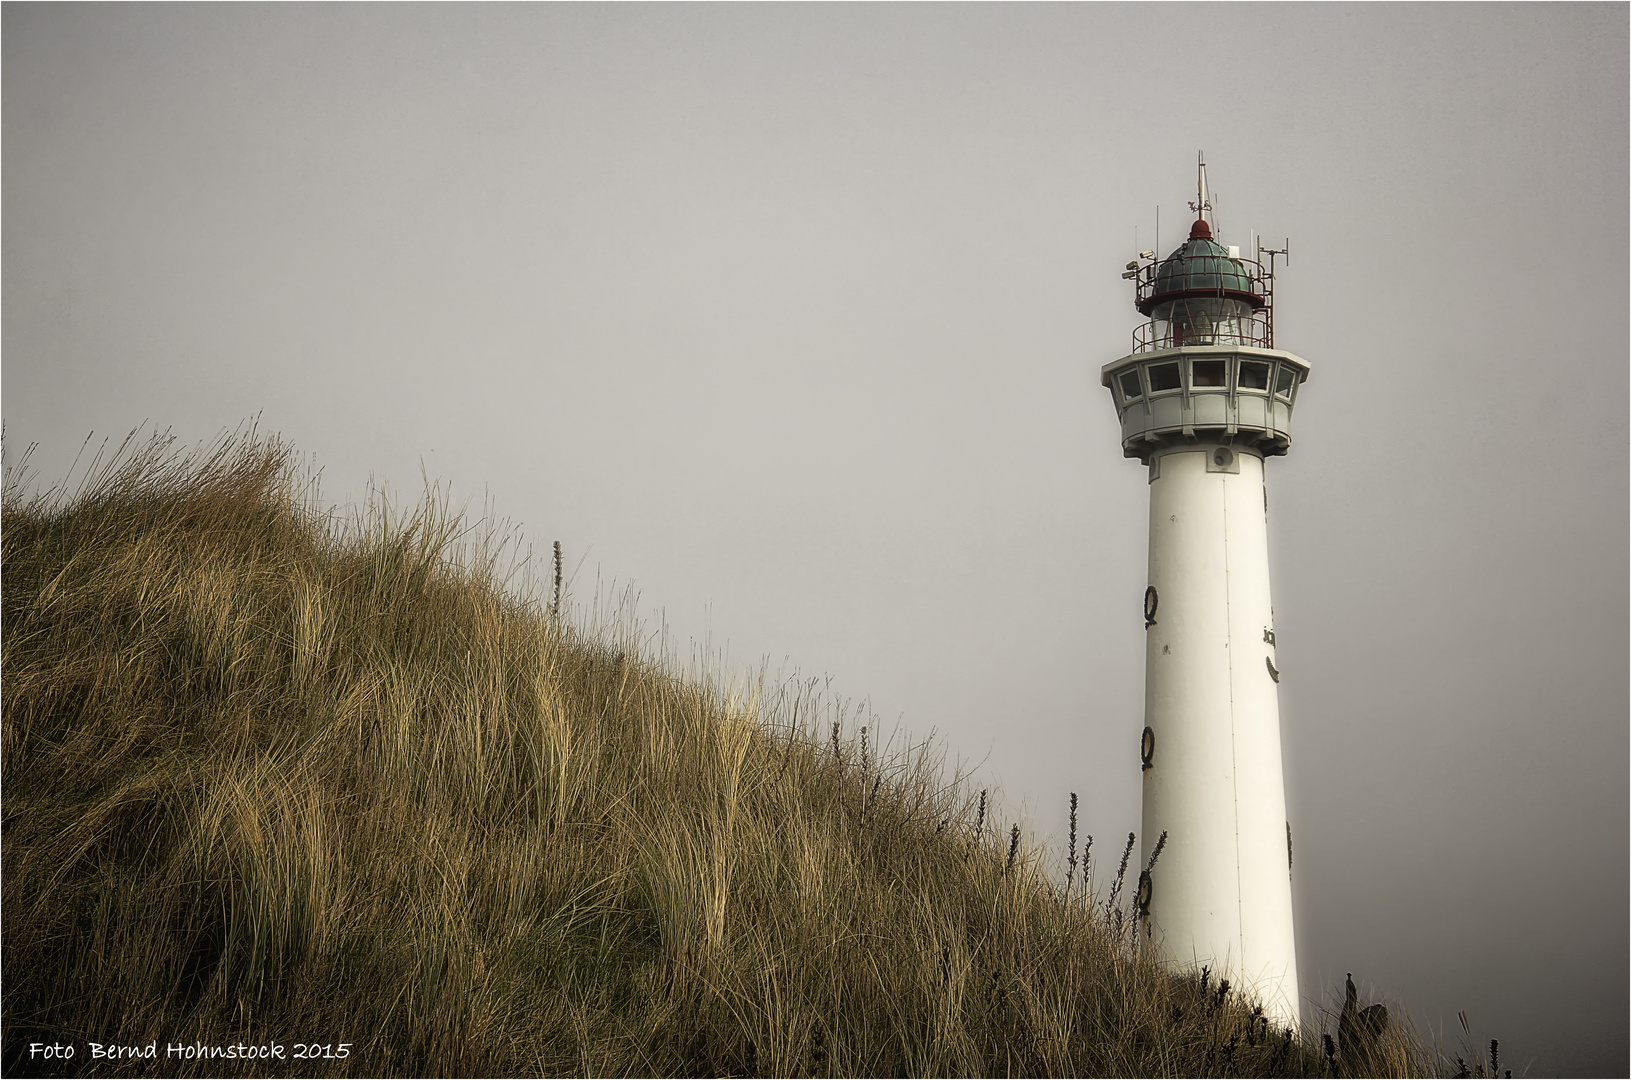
[1220, 895]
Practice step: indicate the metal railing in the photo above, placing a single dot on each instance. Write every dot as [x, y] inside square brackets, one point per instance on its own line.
[1261, 277]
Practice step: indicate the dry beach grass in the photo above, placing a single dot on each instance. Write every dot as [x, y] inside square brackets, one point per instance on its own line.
[271, 776]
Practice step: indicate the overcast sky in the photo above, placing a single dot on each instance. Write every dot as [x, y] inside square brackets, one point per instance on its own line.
[792, 317]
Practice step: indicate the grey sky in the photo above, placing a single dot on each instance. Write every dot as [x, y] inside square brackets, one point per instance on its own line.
[792, 316]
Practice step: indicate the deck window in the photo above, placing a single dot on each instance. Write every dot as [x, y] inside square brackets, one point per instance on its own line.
[1208, 373]
[1287, 380]
[1164, 377]
[1253, 375]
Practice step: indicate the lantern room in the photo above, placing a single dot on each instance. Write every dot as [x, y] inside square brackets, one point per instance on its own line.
[1203, 294]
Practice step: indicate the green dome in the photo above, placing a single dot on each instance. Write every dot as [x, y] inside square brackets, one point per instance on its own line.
[1200, 267]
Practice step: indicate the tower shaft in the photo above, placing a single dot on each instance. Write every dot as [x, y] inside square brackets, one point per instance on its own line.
[1220, 896]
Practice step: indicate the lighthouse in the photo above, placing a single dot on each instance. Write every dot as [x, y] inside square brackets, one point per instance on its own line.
[1205, 400]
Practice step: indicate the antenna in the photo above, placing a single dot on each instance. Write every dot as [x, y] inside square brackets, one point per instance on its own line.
[1272, 252]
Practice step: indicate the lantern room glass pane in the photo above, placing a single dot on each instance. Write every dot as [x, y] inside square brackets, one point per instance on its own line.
[1208, 373]
[1254, 376]
[1130, 387]
[1283, 384]
[1164, 377]
[1205, 321]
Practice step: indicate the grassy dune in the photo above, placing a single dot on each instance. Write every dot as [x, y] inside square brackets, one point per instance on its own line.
[272, 778]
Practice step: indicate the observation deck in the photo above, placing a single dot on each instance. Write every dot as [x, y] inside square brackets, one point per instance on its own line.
[1225, 393]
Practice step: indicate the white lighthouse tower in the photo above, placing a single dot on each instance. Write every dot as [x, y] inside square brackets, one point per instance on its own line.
[1205, 400]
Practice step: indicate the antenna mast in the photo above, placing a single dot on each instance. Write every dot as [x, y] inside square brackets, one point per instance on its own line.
[1268, 278]
[1203, 203]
